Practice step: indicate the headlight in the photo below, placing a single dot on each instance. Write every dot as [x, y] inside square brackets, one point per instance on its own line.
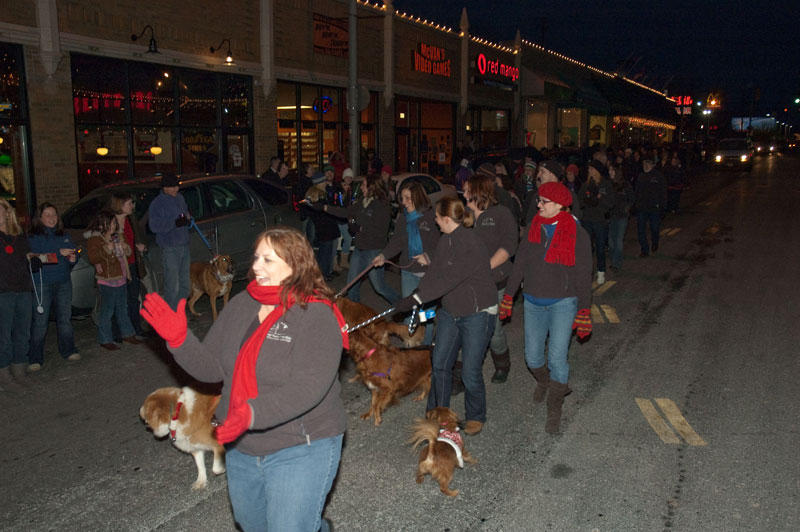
[743, 158]
[772, 148]
[718, 158]
[758, 149]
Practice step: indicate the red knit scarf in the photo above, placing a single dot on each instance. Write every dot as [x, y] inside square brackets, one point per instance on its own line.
[562, 248]
[245, 385]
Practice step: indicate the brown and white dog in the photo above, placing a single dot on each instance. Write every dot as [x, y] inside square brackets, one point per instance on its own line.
[185, 415]
[445, 449]
[214, 278]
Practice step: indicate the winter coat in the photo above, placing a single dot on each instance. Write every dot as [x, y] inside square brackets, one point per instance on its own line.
[97, 253]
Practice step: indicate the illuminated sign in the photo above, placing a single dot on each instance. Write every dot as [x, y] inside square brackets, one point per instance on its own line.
[683, 104]
[488, 67]
[431, 60]
[323, 104]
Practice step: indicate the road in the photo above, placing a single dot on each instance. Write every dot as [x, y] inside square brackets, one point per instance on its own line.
[680, 419]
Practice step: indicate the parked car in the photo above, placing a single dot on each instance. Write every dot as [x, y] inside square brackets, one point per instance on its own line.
[433, 188]
[230, 210]
[735, 152]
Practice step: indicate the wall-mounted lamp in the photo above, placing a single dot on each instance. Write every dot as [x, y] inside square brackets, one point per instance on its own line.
[102, 149]
[155, 149]
[228, 55]
[152, 48]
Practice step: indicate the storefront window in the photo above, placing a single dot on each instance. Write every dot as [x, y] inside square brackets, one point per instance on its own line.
[94, 168]
[158, 119]
[98, 90]
[15, 175]
[152, 94]
[197, 98]
[235, 101]
[569, 127]
[597, 130]
[536, 125]
[199, 151]
[423, 136]
[287, 123]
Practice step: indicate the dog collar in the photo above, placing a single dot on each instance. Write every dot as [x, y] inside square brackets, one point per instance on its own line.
[453, 438]
[369, 353]
[173, 424]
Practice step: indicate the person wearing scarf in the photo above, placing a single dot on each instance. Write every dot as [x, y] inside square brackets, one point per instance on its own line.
[554, 265]
[415, 235]
[282, 416]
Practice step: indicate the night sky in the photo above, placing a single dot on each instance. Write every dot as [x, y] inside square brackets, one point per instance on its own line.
[741, 48]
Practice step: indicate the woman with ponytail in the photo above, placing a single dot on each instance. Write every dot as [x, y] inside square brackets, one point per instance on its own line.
[282, 415]
[460, 274]
[554, 265]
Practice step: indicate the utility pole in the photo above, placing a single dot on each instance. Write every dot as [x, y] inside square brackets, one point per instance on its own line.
[352, 88]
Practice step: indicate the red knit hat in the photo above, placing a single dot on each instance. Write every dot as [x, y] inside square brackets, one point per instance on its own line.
[556, 192]
[386, 168]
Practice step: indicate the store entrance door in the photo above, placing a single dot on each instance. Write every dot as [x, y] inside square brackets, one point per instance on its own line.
[402, 149]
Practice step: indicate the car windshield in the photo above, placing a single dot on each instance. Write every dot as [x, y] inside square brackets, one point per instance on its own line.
[81, 214]
[733, 144]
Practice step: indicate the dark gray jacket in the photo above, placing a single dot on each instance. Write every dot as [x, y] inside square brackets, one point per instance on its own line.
[374, 220]
[596, 200]
[459, 273]
[299, 396]
[545, 280]
[497, 229]
[428, 232]
[651, 191]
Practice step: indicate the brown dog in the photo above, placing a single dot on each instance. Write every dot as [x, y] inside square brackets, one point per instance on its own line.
[185, 415]
[380, 331]
[214, 278]
[445, 449]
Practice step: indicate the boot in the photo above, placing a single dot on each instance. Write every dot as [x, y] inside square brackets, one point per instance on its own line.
[344, 261]
[502, 365]
[20, 374]
[555, 398]
[7, 383]
[458, 385]
[542, 376]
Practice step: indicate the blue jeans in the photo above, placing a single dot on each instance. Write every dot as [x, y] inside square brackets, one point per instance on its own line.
[499, 343]
[15, 327]
[642, 218]
[360, 259]
[285, 490]
[113, 303]
[58, 297]
[347, 238]
[598, 236]
[471, 334]
[556, 320]
[616, 239]
[408, 283]
[176, 262]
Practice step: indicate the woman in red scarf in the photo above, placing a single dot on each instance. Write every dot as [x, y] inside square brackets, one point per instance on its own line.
[554, 264]
[283, 417]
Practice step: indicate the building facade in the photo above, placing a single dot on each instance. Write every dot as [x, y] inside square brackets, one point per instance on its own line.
[223, 87]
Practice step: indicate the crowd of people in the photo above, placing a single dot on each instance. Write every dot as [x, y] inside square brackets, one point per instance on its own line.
[539, 227]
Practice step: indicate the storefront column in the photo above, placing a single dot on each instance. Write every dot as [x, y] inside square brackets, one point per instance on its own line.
[385, 140]
[519, 115]
[52, 130]
[265, 134]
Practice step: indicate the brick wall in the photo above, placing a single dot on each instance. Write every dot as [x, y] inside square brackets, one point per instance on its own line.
[52, 131]
[21, 12]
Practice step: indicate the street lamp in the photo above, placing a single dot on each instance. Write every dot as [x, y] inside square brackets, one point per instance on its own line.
[707, 112]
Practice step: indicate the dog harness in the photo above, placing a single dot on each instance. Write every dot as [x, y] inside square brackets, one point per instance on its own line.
[173, 423]
[386, 375]
[453, 438]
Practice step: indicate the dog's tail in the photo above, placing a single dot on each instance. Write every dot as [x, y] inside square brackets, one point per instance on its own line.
[423, 430]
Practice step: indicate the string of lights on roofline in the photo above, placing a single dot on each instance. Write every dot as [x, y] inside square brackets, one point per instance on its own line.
[445, 29]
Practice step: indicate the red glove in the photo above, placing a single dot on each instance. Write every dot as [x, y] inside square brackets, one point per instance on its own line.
[239, 420]
[170, 325]
[505, 307]
[583, 323]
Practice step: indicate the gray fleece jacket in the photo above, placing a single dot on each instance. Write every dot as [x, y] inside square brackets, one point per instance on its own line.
[299, 395]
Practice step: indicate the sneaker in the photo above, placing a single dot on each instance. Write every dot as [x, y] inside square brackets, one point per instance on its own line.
[34, 367]
[73, 357]
[601, 277]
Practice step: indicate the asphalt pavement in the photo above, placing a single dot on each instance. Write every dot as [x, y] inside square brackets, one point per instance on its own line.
[680, 420]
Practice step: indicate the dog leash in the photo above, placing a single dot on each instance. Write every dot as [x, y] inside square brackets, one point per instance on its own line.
[202, 237]
[373, 319]
[344, 290]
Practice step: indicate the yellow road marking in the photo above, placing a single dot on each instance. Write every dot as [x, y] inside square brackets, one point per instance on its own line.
[713, 229]
[706, 204]
[675, 417]
[597, 317]
[675, 231]
[656, 422]
[610, 313]
[603, 288]
[665, 231]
